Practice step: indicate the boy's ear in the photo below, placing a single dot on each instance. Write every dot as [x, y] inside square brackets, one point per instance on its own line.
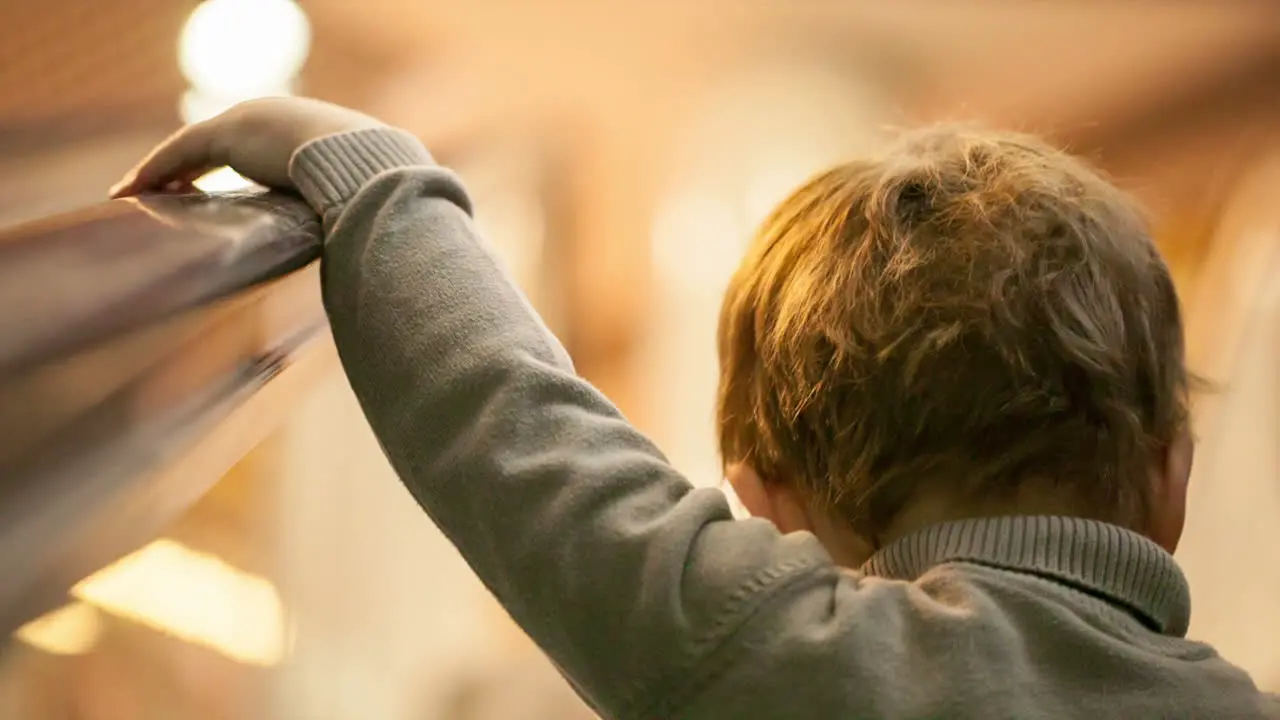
[774, 501]
[1172, 476]
[749, 488]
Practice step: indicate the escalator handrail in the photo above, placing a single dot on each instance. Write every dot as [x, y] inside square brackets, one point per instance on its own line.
[134, 334]
[73, 280]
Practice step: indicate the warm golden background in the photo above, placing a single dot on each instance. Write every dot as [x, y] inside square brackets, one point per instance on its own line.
[620, 152]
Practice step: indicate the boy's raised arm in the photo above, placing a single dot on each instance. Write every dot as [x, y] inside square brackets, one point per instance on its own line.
[627, 576]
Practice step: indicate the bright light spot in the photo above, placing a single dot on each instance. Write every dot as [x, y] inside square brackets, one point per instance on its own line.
[71, 630]
[238, 49]
[194, 597]
[223, 180]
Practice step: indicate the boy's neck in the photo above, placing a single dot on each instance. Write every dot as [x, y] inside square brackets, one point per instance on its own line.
[936, 509]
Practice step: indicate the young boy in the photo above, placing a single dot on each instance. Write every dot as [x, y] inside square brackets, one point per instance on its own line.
[952, 395]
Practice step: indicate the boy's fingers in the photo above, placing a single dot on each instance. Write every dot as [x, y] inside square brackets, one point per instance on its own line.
[187, 153]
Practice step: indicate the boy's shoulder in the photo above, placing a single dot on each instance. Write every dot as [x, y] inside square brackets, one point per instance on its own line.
[1027, 615]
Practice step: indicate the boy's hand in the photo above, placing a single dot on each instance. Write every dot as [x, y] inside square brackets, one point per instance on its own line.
[256, 139]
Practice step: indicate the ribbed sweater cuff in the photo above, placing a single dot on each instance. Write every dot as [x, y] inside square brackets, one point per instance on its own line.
[329, 171]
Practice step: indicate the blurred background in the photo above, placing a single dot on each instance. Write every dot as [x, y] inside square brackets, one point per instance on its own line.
[620, 154]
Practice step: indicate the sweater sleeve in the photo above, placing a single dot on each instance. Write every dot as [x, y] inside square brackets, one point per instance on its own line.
[627, 577]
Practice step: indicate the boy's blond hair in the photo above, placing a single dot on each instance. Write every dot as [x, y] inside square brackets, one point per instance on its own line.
[968, 313]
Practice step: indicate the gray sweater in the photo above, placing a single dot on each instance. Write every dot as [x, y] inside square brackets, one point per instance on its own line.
[651, 599]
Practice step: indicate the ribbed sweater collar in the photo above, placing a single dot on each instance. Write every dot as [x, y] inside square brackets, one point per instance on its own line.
[1117, 564]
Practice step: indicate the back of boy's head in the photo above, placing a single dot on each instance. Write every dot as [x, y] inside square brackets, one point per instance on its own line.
[969, 313]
